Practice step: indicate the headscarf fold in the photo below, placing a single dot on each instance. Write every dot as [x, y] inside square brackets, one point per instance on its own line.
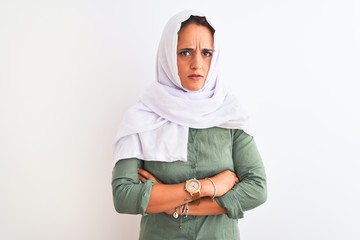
[156, 128]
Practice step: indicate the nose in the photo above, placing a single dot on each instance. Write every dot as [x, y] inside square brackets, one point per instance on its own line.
[196, 62]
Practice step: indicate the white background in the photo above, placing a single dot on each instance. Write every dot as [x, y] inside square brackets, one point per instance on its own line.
[69, 69]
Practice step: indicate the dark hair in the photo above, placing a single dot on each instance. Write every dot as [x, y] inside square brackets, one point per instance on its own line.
[199, 21]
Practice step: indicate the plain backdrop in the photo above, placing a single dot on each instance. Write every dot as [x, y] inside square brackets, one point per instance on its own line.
[69, 70]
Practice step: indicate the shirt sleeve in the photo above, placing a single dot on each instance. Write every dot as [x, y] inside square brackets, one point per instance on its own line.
[129, 194]
[251, 191]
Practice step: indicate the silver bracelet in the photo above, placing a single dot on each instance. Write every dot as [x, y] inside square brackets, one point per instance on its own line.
[213, 187]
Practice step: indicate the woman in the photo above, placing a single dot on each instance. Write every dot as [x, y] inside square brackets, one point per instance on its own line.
[183, 158]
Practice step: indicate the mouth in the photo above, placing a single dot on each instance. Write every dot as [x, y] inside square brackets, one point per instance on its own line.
[195, 77]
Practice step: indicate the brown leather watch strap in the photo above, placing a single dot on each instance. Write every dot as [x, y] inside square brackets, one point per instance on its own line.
[196, 198]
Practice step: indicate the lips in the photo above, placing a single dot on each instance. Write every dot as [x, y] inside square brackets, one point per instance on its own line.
[195, 77]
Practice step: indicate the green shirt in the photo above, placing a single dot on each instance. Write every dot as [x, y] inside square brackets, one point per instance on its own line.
[210, 151]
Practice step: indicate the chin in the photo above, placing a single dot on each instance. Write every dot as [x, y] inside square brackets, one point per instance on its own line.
[195, 87]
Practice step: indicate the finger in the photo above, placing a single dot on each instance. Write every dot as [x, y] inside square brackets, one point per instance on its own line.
[142, 179]
[237, 180]
[142, 172]
[147, 175]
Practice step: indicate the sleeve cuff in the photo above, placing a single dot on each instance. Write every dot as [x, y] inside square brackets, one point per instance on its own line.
[231, 205]
[144, 196]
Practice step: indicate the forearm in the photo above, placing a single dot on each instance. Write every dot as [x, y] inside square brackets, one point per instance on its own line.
[246, 195]
[207, 207]
[168, 196]
[129, 195]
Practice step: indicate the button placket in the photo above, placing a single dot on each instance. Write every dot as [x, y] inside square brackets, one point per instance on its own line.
[192, 153]
[194, 162]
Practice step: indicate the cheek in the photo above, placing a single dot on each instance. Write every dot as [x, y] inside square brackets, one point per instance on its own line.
[208, 66]
[181, 67]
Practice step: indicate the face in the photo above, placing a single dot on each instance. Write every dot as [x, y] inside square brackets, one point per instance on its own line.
[194, 53]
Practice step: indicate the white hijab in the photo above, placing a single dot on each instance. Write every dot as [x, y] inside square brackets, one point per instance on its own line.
[156, 128]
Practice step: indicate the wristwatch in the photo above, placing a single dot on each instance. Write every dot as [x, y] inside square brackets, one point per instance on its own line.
[193, 186]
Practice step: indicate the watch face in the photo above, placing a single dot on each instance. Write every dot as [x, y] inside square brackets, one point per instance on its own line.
[193, 185]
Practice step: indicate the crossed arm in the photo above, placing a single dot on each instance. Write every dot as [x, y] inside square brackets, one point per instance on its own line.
[176, 194]
[233, 197]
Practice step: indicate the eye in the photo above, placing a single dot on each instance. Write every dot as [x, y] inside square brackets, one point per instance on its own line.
[207, 53]
[184, 53]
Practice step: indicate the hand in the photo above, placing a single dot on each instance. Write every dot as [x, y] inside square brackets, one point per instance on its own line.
[145, 175]
[224, 181]
[169, 212]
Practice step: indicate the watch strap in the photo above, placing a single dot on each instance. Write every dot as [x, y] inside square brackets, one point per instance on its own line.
[196, 198]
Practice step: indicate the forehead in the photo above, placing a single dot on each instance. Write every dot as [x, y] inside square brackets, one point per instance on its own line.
[194, 34]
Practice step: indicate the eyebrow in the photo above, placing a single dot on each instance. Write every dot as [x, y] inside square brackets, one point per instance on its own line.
[209, 49]
[186, 49]
[191, 49]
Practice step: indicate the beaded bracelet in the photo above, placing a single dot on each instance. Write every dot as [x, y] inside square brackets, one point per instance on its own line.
[184, 210]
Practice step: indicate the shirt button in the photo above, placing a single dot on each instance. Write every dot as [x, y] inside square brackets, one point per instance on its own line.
[193, 165]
